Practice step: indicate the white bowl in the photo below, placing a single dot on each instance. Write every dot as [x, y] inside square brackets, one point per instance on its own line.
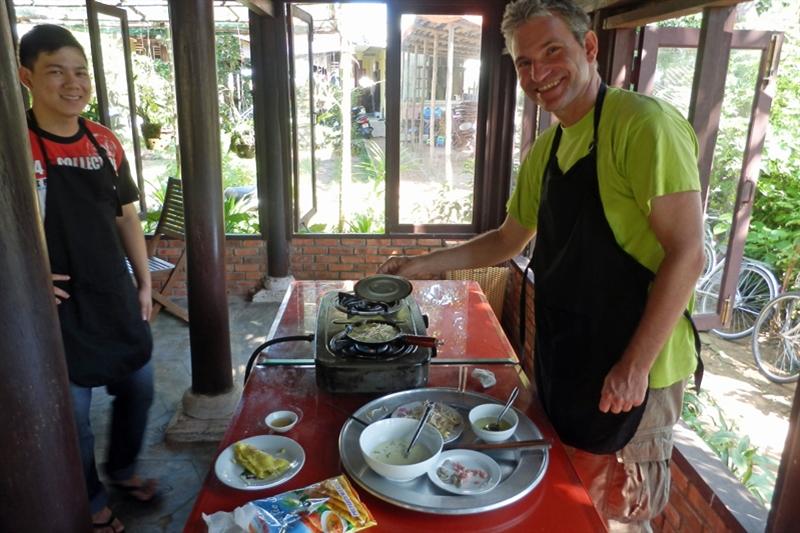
[377, 436]
[281, 421]
[487, 412]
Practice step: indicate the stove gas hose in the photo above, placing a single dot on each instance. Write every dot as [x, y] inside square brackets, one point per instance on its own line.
[267, 344]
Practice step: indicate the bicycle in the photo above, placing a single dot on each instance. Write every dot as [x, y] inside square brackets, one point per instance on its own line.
[755, 287]
[776, 340]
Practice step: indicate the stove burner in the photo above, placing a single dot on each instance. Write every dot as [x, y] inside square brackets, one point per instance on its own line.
[353, 305]
[343, 346]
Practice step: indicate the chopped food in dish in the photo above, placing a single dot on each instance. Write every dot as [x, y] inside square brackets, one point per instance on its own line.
[373, 332]
[444, 418]
[259, 463]
[461, 476]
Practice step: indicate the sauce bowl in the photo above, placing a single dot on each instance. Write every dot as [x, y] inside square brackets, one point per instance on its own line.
[281, 421]
[482, 414]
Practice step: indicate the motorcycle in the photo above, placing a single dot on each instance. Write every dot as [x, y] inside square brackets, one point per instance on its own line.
[360, 121]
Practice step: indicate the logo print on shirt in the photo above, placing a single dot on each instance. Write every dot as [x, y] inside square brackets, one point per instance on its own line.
[94, 162]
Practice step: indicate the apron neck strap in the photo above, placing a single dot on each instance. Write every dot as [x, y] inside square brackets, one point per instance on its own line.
[598, 108]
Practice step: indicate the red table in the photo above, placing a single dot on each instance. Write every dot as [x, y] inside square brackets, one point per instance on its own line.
[462, 319]
[458, 314]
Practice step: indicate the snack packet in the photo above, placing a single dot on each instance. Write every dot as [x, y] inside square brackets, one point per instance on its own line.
[330, 506]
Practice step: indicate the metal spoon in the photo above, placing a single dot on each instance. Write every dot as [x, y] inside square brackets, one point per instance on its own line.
[495, 426]
[423, 419]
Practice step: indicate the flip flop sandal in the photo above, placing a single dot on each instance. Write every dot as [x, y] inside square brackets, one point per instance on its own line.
[148, 486]
[108, 524]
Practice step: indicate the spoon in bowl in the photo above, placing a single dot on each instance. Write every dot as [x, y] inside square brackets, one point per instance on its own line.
[424, 418]
[495, 426]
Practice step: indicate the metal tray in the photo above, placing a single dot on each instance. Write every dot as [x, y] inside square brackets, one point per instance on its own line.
[521, 469]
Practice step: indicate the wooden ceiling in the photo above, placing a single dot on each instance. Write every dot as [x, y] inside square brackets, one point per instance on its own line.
[466, 36]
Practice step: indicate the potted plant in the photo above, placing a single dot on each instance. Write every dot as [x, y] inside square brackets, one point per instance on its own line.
[153, 96]
[148, 110]
[243, 140]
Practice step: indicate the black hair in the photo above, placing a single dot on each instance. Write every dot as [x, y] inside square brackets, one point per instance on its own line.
[45, 38]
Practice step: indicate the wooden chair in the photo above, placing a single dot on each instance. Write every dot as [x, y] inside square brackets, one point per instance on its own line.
[170, 225]
[492, 281]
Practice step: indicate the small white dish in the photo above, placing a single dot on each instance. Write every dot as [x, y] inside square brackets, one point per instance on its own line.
[232, 474]
[281, 421]
[465, 472]
[485, 413]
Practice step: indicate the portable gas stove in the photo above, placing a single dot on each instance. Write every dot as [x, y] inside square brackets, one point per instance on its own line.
[345, 365]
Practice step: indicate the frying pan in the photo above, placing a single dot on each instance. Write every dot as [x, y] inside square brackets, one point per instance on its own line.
[383, 288]
[417, 340]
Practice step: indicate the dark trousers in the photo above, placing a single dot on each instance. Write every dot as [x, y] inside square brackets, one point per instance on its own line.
[132, 399]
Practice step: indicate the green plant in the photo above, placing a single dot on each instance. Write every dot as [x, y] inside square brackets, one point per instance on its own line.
[154, 94]
[367, 222]
[91, 111]
[239, 217]
[313, 228]
[755, 471]
[448, 206]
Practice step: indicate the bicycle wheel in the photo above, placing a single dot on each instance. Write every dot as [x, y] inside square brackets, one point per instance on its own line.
[710, 259]
[755, 287]
[776, 341]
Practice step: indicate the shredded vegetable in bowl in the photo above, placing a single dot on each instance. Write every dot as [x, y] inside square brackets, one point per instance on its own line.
[444, 418]
[373, 332]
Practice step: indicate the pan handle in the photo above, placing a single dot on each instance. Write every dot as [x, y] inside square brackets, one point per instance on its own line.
[419, 340]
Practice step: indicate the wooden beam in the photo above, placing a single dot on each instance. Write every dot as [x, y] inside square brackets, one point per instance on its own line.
[708, 86]
[435, 70]
[666, 9]
[783, 515]
[41, 480]
[260, 7]
[192, 24]
[267, 48]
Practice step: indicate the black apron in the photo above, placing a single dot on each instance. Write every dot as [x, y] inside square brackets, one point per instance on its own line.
[590, 296]
[105, 338]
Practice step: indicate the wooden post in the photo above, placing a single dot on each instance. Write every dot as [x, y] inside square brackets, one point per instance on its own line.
[432, 119]
[448, 95]
[266, 39]
[41, 480]
[421, 104]
[192, 23]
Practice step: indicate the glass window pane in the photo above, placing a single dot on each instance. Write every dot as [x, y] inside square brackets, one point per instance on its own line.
[303, 116]
[114, 70]
[673, 77]
[349, 71]
[517, 155]
[440, 72]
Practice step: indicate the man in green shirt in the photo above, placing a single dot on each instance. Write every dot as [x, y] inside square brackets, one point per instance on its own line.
[612, 196]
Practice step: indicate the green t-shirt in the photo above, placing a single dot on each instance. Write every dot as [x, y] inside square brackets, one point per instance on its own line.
[645, 149]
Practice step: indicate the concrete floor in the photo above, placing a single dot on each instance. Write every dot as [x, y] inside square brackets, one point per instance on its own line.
[180, 469]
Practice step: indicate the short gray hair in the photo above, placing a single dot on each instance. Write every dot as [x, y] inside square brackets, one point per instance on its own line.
[519, 12]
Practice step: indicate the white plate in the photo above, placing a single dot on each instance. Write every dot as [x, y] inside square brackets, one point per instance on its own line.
[415, 410]
[234, 475]
[471, 460]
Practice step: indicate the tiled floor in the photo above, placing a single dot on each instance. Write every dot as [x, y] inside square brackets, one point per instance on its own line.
[180, 469]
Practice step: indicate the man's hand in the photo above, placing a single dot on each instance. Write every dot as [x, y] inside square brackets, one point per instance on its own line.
[396, 265]
[145, 302]
[60, 294]
[623, 389]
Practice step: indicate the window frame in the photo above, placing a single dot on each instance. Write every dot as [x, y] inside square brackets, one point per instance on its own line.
[488, 211]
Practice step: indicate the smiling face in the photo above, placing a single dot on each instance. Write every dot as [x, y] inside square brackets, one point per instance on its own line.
[60, 85]
[554, 69]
